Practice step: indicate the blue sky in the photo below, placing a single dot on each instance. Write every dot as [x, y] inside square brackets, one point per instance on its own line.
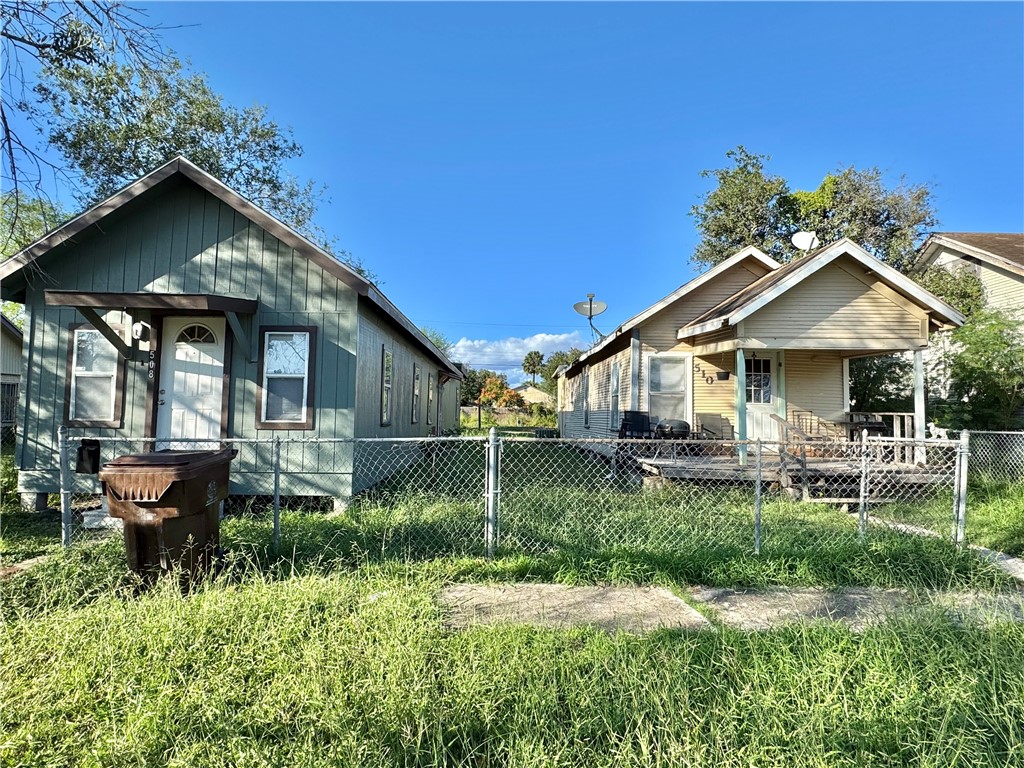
[494, 163]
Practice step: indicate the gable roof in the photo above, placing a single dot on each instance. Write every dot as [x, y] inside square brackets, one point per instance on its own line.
[759, 293]
[21, 262]
[750, 252]
[1001, 249]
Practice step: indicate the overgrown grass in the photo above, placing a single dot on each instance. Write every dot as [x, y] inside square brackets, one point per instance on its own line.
[22, 534]
[995, 514]
[357, 668]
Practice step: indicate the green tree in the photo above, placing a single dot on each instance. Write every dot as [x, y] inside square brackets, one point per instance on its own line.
[556, 359]
[115, 123]
[24, 220]
[986, 368]
[438, 339]
[36, 35]
[472, 382]
[533, 364]
[960, 288]
[749, 206]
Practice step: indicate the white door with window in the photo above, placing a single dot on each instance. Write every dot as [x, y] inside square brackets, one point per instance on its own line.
[191, 384]
[762, 369]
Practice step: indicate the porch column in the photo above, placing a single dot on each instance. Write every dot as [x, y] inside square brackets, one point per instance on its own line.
[741, 403]
[919, 417]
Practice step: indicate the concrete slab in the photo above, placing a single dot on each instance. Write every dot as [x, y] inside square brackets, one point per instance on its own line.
[630, 609]
[764, 609]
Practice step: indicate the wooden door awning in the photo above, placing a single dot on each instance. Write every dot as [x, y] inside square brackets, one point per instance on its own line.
[153, 302]
[87, 302]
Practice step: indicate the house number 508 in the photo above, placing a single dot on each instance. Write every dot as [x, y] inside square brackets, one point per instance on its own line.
[152, 365]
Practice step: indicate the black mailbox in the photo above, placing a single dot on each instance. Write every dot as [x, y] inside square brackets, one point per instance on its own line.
[88, 462]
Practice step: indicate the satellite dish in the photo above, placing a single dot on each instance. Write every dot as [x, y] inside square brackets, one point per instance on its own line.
[590, 309]
[805, 241]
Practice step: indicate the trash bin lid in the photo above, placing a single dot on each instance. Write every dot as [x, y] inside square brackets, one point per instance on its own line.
[172, 463]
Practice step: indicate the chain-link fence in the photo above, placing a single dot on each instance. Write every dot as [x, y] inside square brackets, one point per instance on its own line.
[997, 456]
[494, 495]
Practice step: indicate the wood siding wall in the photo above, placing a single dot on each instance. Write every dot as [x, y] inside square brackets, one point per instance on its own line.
[814, 382]
[183, 240]
[834, 309]
[10, 357]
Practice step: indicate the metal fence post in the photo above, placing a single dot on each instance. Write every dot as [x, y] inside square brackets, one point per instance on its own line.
[960, 489]
[862, 504]
[491, 493]
[757, 498]
[277, 496]
[66, 522]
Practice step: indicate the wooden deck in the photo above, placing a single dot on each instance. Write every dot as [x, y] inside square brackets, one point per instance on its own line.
[822, 479]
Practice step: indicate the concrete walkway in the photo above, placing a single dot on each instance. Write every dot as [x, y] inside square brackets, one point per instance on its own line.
[642, 609]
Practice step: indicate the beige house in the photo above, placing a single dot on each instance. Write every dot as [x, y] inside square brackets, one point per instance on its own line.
[532, 394]
[996, 258]
[751, 339]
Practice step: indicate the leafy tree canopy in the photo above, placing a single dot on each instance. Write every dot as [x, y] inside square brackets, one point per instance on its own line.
[960, 288]
[438, 339]
[472, 382]
[556, 359]
[750, 206]
[986, 366]
[493, 389]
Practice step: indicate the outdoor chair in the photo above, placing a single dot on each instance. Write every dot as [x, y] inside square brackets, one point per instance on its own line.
[636, 425]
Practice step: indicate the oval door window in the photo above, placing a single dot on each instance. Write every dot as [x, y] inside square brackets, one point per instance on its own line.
[196, 334]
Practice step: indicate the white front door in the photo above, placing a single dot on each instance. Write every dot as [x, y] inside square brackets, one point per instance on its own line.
[191, 384]
[762, 395]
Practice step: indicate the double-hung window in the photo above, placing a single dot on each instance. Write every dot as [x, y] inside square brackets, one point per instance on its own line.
[386, 372]
[94, 380]
[613, 387]
[416, 395]
[286, 377]
[430, 398]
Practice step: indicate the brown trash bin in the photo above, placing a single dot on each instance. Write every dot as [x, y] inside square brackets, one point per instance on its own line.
[170, 504]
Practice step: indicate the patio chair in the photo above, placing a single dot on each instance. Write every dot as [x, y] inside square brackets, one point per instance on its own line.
[714, 426]
[636, 425]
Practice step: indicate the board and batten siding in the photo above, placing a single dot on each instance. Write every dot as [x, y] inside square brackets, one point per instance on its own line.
[835, 309]
[181, 239]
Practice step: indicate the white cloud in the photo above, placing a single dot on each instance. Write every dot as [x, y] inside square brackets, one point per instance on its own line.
[506, 355]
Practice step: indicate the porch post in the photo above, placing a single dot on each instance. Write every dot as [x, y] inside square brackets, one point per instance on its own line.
[919, 417]
[741, 403]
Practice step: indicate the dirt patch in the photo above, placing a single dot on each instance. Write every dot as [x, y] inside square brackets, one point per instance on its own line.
[631, 609]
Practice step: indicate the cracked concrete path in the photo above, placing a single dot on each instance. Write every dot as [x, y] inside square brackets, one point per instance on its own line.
[642, 609]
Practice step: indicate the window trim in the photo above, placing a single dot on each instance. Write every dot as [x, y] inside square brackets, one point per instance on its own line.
[118, 420]
[388, 386]
[614, 386]
[261, 392]
[688, 356]
[430, 399]
[416, 379]
[585, 385]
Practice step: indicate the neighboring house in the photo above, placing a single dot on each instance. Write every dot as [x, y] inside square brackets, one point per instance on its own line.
[10, 375]
[782, 335]
[177, 309]
[532, 394]
[996, 258]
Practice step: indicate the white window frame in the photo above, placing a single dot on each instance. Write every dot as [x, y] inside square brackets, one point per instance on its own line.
[267, 376]
[76, 375]
[687, 356]
[585, 385]
[614, 413]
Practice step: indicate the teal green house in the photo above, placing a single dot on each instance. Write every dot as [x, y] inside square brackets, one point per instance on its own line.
[177, 310]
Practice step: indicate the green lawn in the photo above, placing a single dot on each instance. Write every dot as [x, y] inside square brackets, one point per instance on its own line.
[327, 665]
